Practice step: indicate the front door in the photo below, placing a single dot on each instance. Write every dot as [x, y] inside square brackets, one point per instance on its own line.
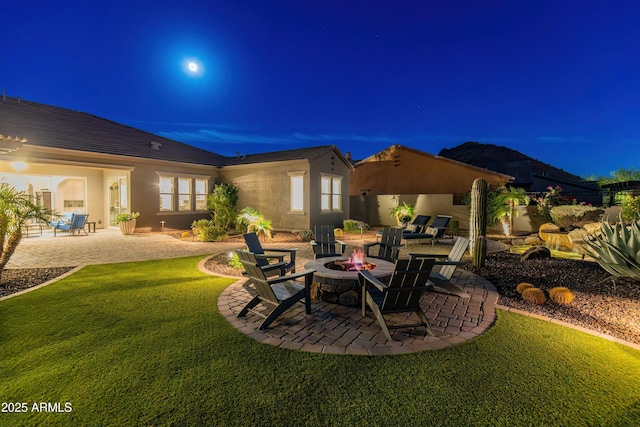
[118, 202]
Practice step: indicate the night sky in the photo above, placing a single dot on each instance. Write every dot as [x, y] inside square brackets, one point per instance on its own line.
[557, 80]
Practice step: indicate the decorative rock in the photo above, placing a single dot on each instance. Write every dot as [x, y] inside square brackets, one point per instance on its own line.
[592, 227]
[547, 229]
[348, 298]
[538, 252]
[517, 242]
[577, 236]
[532, 240]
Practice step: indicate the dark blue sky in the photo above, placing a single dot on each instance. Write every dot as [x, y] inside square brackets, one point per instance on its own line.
[556, 80]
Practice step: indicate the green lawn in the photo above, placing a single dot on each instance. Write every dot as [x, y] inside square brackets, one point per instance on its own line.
[143, 344]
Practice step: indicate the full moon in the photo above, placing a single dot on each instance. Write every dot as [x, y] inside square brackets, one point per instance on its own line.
[193, 67]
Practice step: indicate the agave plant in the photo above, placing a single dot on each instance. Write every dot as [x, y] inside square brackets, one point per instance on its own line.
[617, 250]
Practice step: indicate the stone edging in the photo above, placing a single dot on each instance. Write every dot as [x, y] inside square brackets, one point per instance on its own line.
[570, 325]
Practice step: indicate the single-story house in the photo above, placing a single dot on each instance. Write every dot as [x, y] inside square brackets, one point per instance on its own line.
[433, 184]
[72, 161]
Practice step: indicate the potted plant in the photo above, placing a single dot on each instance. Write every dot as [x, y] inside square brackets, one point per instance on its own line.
[403, 213]
[127, 222]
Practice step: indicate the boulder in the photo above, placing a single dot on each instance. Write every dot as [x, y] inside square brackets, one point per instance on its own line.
[517, 242]
[592, 227]
[532, 240]
[577, 236]
[348, 298]
[538, 252]
[547, 229]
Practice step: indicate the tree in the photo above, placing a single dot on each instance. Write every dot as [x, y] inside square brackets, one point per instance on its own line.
[620, 175]
[506, 203]
[222, 204]
[16, 208]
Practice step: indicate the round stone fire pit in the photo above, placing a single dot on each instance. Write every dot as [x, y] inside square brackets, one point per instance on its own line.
[334, 284]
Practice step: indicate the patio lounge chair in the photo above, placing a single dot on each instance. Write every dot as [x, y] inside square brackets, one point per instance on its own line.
[325, 243]
[434, 232]
[417, 226]
[441, 279]
[409, 282]
[254, 246]
[73, 226]
[388, 246]
[279, 292]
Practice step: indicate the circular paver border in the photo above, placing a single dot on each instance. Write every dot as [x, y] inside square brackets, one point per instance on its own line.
[335, 329]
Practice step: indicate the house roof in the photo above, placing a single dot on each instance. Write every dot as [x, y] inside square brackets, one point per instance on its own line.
[387, 152]
[309, 153]
[512, 162]
[47, 126]
[55, 127]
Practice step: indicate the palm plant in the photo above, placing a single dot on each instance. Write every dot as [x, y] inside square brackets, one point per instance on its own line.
[16, 208]
[403, 213]
[617, 250]
[253, 221]
[506, 203]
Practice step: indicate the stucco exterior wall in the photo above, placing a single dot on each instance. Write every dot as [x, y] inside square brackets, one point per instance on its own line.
[328, 165]
[266, 187]
[145, 194]
[404, 171]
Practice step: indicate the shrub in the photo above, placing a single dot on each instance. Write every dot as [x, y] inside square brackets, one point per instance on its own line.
[564, 216]
[304, 235]
[234, 262]
[561, 295]
[522, 286]
[124, 217]
[208, 231]
[534, 296]
[185, 234]
[631, 208]
[353, 225]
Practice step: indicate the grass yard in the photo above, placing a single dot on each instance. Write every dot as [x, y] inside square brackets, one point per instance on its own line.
[143, 344]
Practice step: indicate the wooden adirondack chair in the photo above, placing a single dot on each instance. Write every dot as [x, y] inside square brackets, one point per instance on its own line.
[442, 278]
[409, 282]
[280, 292]
[325, 243]
[254, 246]
[388, 246]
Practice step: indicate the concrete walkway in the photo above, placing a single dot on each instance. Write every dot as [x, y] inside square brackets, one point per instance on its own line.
[330, 328]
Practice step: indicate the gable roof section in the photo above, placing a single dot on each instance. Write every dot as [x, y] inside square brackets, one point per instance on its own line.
[507, 160]
[388, 154]
[47, 126]
[281, 156]
[55, 127]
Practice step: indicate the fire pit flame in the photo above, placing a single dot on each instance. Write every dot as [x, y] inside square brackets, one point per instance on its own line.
[354, 263]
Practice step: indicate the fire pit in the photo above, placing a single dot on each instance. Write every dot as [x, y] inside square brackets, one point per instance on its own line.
[336, 278]
[354, 263]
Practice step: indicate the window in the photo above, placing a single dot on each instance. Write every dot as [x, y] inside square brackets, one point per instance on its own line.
[331, 193]
[297, 191]
[201, 194]
[184, 194]
[166, 193]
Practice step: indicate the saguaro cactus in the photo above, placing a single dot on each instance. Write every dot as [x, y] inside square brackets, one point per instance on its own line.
[478, 222]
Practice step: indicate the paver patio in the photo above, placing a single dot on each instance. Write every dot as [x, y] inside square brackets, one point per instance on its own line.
[330, 328]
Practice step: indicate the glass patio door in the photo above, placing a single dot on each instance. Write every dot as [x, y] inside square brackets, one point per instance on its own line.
[118, 201]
